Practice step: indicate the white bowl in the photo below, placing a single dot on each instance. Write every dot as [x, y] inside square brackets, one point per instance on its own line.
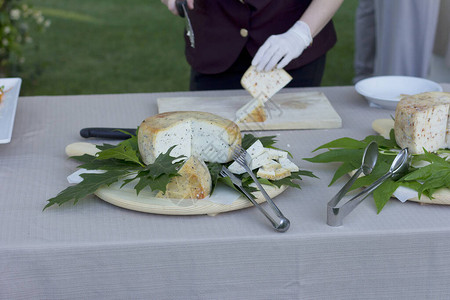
[386, 91]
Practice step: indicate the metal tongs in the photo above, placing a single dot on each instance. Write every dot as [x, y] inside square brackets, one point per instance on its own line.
[244, 159]
[182, 12]
[336, 212]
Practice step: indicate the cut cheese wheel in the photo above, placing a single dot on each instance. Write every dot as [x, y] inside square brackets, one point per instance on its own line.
[421, 122]
[204, 135]
[194, 181]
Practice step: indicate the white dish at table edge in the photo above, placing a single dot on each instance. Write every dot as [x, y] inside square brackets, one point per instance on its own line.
[8, 107]
[385, 91]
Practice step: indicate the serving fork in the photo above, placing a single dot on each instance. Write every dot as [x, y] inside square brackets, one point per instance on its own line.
[243, 158]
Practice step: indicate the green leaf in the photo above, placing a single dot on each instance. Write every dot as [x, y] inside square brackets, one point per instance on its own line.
[339, 155]
[344, 143]
[126, 150]
[383, 193]
[164, 164]
[91, 182]
[214, 171]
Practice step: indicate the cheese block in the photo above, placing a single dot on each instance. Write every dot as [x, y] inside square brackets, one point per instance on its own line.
[422, 122]
[263, 85]
[209, 137]
[194, 181]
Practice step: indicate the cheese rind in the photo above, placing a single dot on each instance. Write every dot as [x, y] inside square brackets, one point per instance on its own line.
[421, 122]
[209, 137]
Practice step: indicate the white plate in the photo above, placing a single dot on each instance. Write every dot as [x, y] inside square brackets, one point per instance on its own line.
[385, 91]
[8, 107]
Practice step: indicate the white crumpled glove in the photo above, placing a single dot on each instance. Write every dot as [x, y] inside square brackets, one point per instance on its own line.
[284, 47]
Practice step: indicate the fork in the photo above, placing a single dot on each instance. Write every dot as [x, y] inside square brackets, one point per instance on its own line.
[237, 182]
[243, 158]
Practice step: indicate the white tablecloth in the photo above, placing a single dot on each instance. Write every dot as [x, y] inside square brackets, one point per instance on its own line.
[96, 250]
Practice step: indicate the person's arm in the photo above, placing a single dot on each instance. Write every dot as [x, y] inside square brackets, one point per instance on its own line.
[172, 7]
[280, 49]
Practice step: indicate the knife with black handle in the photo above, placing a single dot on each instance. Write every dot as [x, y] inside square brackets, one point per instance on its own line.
[107, 133]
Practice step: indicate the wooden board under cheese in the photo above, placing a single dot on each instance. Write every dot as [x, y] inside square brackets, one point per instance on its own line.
[302, 110]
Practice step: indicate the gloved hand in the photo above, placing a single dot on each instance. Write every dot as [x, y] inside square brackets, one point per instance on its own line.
[284, 47]
[173, 8]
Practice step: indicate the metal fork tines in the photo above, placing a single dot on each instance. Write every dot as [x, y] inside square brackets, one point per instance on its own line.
[244, 159]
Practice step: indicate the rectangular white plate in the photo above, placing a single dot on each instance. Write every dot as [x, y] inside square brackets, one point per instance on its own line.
[8, 107]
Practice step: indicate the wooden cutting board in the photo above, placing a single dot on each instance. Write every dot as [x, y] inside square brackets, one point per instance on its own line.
[303, 110]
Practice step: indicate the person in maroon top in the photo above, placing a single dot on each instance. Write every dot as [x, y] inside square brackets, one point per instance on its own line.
[231, 35]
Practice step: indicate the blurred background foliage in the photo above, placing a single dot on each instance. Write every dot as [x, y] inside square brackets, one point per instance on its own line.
[133, 46]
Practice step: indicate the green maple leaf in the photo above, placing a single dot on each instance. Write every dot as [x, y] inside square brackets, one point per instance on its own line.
[126, 150]
[164, 164]
[91, 182]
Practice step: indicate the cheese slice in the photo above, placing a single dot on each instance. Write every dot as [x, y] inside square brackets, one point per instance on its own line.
[194, 181]
[209, 137]
[277, 174]
[422, 122]
[263, 85]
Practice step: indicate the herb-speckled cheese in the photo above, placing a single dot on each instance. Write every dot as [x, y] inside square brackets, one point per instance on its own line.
[194, 181]
[209, 137]
[422, 122]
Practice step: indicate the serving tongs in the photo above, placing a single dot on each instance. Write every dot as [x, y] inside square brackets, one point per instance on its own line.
[337, 212]
[244, 159]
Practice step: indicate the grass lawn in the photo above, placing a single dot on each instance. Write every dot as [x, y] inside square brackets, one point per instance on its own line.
[133, 46]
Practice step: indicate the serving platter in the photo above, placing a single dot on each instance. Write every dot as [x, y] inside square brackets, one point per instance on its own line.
[441, 196]
[146, 201]
[301, 110]
[8, 107]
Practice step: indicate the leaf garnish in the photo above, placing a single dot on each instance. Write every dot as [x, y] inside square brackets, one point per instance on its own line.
[425, 180]
[123, 163]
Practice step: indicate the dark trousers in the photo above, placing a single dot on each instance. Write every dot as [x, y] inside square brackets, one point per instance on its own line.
[307, 76]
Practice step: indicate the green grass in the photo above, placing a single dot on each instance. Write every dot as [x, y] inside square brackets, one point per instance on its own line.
[133, 46]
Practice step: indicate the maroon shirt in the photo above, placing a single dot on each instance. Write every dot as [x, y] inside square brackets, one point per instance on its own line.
[220, 26]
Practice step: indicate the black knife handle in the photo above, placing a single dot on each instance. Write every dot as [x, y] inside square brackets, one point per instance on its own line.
[107, 133]
[179, 4]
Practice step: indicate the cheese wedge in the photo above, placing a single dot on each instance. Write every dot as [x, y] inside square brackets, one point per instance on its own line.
[253, 111]
[422, 122]
[289, 165]
[194, 181]
[277, 174]
[204, 135]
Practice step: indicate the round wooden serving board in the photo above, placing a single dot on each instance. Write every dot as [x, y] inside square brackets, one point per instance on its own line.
[147, 202]
[441, 196]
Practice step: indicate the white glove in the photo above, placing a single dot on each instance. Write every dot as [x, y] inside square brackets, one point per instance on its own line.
[284, 47]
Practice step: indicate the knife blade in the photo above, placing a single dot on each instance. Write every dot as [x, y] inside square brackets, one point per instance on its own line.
[182, 12]
[107, 133]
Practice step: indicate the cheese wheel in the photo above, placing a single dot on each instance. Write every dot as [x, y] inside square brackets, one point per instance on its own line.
[422, 122]
[207, 136]
[194, 181]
